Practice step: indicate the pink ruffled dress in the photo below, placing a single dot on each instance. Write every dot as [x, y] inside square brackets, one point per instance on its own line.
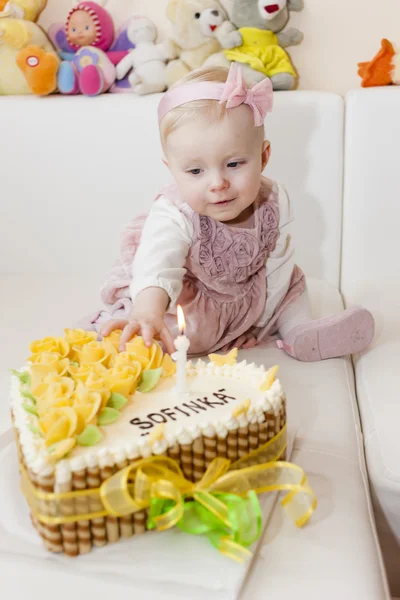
[224, 291]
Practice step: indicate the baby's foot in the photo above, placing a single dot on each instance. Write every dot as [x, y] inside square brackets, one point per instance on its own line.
[68, 79]
[91, 81]
[338, 335]
[39, 68]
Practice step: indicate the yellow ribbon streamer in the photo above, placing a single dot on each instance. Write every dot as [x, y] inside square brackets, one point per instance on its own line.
[158, 477]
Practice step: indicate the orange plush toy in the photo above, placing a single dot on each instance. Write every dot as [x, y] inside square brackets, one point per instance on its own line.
[383, 69]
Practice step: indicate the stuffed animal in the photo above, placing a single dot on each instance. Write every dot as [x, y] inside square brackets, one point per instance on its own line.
[22, 72]
[91, 55]
[147, 62]
[85, 40]
[262, 23]
[383, 69]
[200, 29]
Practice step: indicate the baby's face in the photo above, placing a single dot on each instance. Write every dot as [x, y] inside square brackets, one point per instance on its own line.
[217, 165]
[81, 29]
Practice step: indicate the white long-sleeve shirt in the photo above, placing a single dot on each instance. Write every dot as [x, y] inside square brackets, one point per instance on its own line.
[165, 243]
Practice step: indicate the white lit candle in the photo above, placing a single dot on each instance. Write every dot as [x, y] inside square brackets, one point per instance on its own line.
[182, 346]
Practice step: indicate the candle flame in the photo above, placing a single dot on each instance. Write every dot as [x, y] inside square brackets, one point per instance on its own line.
[181, 319]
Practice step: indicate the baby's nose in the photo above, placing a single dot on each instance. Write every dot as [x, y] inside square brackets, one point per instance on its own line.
[219, 184]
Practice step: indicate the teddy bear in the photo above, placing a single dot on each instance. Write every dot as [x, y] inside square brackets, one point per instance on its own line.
[147, 61]
[18, 32]
[262, 25]
[200, 29]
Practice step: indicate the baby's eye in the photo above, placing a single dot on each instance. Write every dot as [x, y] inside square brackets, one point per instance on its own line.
[74, 29]
[87, 27]
[195, 171]
[234, 164]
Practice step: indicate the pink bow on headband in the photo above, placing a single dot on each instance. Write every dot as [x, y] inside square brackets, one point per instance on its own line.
[260, 98]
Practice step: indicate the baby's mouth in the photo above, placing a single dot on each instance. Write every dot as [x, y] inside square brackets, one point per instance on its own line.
[224, 202]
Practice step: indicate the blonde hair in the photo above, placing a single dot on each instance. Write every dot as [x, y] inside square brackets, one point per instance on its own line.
[211, 109]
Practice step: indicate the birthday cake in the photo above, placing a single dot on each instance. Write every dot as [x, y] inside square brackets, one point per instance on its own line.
[83, 411]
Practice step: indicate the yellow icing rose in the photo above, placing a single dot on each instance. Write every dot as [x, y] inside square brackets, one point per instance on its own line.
[114, 338]
[48, 344]
[82, 372]
[50, 364]
[58, 424]
[77, 338]
[97, 383]
[95, 352]
[86, 414]
[123, 379]
[129, 359]
[86, 403]
[83, 395]
[156, 357]
[138, 347]
[62, 449]
[55, 386]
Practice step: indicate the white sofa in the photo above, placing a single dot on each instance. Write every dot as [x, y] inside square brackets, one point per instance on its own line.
[73, 170]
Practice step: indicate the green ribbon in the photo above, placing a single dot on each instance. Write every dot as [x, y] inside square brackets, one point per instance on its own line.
[245, 519]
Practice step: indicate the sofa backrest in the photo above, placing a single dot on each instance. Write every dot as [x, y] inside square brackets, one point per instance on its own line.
[73, 171]
[370, 272]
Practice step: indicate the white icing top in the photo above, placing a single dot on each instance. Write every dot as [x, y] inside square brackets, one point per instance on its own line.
[208, 409]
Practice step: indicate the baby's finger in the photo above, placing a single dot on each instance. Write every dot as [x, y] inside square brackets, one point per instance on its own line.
[129, 331]
[148, 332]
[110, 326]
[167, 339]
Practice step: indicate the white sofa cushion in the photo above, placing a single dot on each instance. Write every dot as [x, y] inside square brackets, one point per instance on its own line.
[371, 276]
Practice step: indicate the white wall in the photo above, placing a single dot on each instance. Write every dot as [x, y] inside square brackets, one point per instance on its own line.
[338, 34]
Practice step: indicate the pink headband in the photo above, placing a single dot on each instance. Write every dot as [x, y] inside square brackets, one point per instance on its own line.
[234, 92]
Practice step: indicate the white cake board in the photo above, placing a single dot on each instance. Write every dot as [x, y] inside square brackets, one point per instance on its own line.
[156, 565]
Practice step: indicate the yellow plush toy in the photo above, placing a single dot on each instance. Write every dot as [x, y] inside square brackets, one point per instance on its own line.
[26, 67]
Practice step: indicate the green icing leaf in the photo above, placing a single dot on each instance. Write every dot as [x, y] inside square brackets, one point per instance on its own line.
[74, 363]
[107, 416]
[117, 401]
[35, 430]
[23, 376]
[26, 394]
[30, 409]
[90, 437]
[149, 380]
[51, 449]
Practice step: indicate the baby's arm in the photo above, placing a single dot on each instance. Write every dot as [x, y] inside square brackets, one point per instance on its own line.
[158, 271]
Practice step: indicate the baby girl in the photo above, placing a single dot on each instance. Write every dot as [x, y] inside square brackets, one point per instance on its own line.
[217, 242]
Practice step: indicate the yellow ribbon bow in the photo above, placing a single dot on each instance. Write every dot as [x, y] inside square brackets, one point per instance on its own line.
[222, 505]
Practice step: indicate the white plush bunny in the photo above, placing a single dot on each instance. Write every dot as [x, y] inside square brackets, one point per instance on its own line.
[147, 60]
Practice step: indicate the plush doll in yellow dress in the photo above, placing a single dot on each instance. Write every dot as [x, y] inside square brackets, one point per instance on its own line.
[261, 51]
[22, 70]
[263, 27]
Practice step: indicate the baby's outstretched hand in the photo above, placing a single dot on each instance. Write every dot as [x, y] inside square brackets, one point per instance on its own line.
[148, 326]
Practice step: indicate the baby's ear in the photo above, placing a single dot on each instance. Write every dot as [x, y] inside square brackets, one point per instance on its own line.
[266, 153]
